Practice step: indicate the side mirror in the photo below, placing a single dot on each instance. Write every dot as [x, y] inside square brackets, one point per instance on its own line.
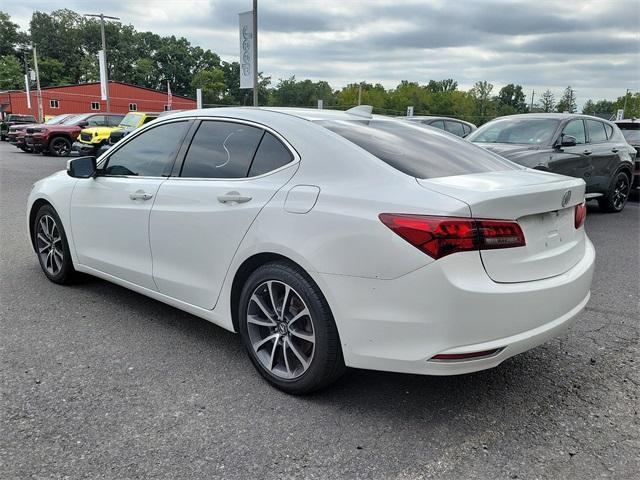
[81, 167]
[83, 124]
[567, 141]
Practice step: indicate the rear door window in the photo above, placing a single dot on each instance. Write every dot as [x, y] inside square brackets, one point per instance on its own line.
[97, 121]
[437, 124]
[454, 127]
[597, 133]
[416, 151]
[575, 128]
[271, 155]
[221, 150]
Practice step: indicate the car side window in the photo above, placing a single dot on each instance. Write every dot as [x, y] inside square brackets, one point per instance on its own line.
[597, 133]
[575, 128]
[97, 121]
[221, 150]
[454, 127]
[114, 120]
[466, 128]
[437, 124]
[150, 154]
[609, 130]
[271, 154]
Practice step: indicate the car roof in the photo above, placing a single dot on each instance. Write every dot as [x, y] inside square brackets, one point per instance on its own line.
[432, 117]
[558, 116]
[311, 114]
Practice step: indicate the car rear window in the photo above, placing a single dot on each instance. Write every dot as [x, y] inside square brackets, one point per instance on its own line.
[631, 132]
[417, 151]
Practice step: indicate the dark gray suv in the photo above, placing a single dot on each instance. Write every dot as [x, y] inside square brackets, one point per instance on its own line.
[569, 144]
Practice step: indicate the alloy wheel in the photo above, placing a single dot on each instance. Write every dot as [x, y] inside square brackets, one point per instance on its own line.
[280, 329]
[49, 244]
[60, 148]
[620, 192]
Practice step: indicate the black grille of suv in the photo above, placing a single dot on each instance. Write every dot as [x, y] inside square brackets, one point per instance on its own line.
[85, 137]
[115, 137]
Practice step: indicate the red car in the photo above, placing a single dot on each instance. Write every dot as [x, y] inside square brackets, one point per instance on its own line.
[16, 133]
[57, 139]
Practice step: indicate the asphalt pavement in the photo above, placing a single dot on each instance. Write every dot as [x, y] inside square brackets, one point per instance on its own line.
[99, 382]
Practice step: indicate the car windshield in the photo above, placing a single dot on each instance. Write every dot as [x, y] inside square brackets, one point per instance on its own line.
[130, 120]
[416, 151]
[527, 131]
[73, 119]
[17, 118]
[631, 132]
[57, 119]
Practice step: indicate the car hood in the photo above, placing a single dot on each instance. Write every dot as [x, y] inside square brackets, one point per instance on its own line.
[25, 125]
[61, 128]
[100, 130]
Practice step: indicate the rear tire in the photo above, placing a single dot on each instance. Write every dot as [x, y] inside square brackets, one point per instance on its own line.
[51, 246]
[618, 194]
[60, 147]
[288, 330]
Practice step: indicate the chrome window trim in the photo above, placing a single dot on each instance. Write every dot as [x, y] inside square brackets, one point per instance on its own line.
[144, 128]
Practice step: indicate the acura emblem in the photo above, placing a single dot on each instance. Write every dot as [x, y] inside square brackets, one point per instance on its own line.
[566, 198]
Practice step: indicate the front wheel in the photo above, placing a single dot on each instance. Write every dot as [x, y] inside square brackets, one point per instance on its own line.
[51, 246]
[288, 329]
[618, 194]
[60, 147]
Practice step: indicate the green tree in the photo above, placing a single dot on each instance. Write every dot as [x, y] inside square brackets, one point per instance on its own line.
[481, 93]
[511, 100]
[567, 102]
[211, 82]
[547, 101]
[11, 73]
[10, 36]
[53, 72]
[446, 85]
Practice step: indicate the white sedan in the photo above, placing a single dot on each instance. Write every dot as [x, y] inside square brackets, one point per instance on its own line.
[326, 239]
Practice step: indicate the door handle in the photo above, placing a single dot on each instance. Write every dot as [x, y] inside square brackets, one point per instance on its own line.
[587, 152]
[233, 197]
[140, 195]
[614, 150]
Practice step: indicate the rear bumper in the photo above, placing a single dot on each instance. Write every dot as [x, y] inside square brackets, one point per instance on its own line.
[451, 306]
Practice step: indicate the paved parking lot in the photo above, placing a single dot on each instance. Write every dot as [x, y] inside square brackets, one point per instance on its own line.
[100, 382]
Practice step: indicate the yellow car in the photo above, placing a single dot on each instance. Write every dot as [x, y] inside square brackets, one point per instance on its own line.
[91, 139]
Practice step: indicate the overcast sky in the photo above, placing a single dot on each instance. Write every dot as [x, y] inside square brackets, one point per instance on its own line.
[591, 45]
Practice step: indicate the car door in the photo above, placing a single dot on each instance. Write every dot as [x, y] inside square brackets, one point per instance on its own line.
[573, 161]
[110, 212]
[604, 157]
[229, 173]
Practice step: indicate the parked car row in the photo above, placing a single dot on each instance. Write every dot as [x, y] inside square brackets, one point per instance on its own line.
[85, 134]
[12, 120]
[331, 239]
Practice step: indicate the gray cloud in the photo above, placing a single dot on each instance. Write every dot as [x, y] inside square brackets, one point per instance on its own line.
[589, 44]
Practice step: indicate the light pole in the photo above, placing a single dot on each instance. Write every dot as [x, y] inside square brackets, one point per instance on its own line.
[626, 95]
[104, 50]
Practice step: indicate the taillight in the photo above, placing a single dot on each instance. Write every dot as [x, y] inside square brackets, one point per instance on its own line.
[580, 214]
[441, 236]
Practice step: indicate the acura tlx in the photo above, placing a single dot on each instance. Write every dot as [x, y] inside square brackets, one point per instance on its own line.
[326, 239]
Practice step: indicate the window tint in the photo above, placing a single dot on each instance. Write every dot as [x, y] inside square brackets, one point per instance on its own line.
[466, 128]
[575, 128]
[454, 127]
[597, 133]
[221, 150]
[609, 130]
[271, 154]
[114, 120]
[437, 124]
[97, 121]
[415, 151]
[150, 154]
[517, 130]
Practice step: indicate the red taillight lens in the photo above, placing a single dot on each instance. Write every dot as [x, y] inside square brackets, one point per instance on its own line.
[441, 236]
[580, 214]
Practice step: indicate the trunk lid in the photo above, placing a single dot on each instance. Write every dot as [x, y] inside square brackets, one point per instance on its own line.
[544, 206]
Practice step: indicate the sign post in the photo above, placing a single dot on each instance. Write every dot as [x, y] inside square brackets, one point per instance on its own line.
[198, 98]
[620, 114]
[26, 90]
[410, 111]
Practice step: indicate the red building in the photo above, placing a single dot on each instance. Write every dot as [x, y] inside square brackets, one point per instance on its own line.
[85, 98]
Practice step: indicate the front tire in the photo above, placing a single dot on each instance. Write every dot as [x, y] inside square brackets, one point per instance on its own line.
[618, 194]
[51, 246]
[60, 147]
[288, 329]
